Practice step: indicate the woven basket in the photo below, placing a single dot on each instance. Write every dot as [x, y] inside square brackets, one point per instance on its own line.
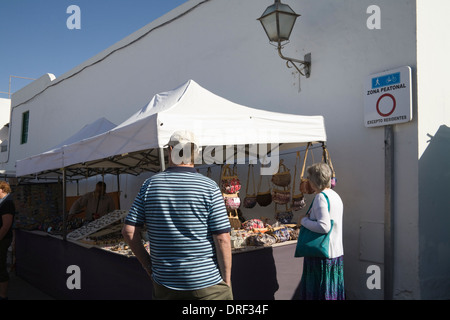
[283, 177]
[264, 198]
[232, 201]
[298, 202]
[281, 196]
[229, 180]
[234, 220]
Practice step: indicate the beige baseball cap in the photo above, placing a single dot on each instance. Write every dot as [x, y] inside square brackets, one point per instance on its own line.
[181, 138]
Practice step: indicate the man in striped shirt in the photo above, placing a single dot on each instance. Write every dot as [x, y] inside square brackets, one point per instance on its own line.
[188, 229]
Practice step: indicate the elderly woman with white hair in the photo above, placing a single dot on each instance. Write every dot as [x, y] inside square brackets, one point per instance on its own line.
[323, 278]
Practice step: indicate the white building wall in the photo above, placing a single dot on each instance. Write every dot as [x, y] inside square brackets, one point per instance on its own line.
[220, 45]
[5, 110]
[434, 148]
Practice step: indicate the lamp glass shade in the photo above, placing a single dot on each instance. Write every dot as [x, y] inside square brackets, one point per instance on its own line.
[278, 21]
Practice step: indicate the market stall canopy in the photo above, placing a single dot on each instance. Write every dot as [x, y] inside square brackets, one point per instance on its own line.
[54, 158]
[215, 121]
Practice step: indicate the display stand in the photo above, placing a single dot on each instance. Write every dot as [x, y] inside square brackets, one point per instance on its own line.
[266, 273]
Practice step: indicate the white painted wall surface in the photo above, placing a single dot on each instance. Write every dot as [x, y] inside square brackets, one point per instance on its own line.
[434, 148]
[5, 110]
[222, 46]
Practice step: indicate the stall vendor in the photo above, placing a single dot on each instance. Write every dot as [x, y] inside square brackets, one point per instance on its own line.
[96, 203]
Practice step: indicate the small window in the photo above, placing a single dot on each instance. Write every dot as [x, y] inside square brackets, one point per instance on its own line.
[25, 125]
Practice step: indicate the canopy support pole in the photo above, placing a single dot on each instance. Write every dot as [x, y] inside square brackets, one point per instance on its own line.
[64, 194]
[162, 161]
[118, 185]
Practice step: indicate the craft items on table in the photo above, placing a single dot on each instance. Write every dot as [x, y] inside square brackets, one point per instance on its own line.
[97, 225]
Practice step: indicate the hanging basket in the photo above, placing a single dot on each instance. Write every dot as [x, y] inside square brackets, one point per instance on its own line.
[298, 202]
[229, 180]
[232, 201]
[305, 185]
[281, 196]
[263, 198]
[283, 177]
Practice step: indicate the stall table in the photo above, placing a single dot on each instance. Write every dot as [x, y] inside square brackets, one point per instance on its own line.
[264, 273]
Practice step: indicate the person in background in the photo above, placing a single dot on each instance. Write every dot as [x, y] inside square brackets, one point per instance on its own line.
[97, 203]
[323, 279]
[188, 229]
[7, 212]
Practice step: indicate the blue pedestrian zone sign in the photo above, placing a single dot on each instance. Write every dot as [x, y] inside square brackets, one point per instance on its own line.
[388, 98]
[387, 80]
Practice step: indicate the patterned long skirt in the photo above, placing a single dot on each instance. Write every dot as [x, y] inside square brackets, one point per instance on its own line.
[322, 279]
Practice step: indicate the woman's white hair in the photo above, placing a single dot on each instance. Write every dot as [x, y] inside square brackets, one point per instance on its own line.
[320, 175]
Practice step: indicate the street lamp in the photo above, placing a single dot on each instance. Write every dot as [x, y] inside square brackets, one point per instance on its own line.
[278, 21]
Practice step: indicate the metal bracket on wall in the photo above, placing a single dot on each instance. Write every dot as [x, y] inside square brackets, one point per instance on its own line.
[291, 62]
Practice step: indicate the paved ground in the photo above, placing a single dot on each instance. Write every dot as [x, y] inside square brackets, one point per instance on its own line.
[19, 289]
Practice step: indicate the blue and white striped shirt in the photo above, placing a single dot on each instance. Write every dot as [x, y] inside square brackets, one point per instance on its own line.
[182, 209]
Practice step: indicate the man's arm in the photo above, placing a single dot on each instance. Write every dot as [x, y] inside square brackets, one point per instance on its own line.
[78, 205]
[132, 236]
[223, 248]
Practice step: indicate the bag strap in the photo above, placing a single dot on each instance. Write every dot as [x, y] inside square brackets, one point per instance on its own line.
[282, 169]
[327, 159]
[312, 202]
[260, 183]
[297, 160]
[250, 171]
[330, 164]
[304, 160]
[227, 172]
[328, 201]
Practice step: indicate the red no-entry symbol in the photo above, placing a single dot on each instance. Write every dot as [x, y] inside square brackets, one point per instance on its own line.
[394, 105]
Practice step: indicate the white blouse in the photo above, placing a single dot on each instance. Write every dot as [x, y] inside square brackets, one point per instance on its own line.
[319, 220]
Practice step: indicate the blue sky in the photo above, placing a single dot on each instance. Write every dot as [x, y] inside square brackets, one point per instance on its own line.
[35, 39]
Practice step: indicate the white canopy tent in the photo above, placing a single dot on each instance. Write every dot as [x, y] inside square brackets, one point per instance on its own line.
[137, 144]
[53, 159]
[133, 146]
